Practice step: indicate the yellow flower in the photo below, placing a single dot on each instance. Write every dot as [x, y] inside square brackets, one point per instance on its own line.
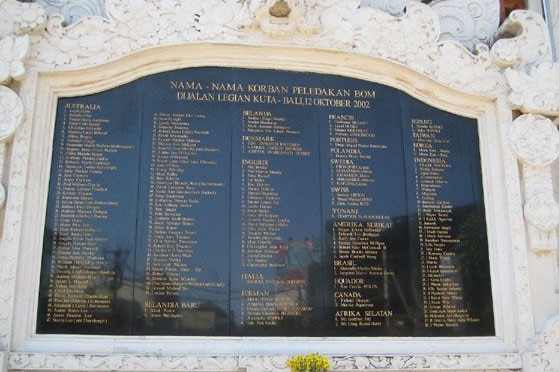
[308, 363]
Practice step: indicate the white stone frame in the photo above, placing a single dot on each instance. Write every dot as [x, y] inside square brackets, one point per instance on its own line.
[400, 52]
[57, 84]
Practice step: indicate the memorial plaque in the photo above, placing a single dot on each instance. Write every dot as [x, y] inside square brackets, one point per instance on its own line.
[245, 202]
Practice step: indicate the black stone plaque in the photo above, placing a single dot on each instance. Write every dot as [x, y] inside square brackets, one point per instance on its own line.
[245, 202]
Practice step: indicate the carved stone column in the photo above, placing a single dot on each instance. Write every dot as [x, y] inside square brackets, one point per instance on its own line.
[533, 90]
[17, 20]
[535, 141]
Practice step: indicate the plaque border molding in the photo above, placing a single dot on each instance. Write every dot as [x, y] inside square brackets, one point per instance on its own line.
[491, 83]
[498, 350]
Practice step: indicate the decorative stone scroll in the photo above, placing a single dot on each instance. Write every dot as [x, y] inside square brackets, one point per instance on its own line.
[469, 22]
[16, 21]
[535, 91]
[528, 28]
[535, 140]
[412, 38]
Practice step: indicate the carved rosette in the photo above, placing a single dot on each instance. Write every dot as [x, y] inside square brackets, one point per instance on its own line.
[535, 140]
[21, 18]
[542, 211]
[11, 112]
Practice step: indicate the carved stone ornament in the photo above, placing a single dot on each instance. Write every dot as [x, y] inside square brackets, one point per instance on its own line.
[16, 20]
[20, 18]
[20, 361]
[469, 22]
[454, 362]
[535, 140]
[412, 39]
[73, 10]
[535, 91]
[523, 40]
[546, 356]
[13, 52]
[11, 112]
[542, 211]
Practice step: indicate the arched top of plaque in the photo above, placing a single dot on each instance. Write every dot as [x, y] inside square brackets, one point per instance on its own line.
[415, 39]
[166, 58]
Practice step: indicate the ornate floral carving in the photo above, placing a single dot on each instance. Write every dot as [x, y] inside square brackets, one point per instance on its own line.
[542, 211]
[473, 73]
[409, 362]
[254, 363]
[11, 112]
[124, 362]
[469, 22]
[535, 140]
[20, 18]
[529, 44]
[16, 20]
[411, 39]
[535, 91]
[11, 116]
[72, 10]
[406, 39]
[13, 51]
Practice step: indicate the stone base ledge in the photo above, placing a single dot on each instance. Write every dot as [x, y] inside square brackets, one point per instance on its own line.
[258, 363]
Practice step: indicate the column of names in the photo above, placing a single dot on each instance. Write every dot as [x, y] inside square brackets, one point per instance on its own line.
[359, 271]
[267, 294]
[441, 290]
[82, 268]
[172, 228]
